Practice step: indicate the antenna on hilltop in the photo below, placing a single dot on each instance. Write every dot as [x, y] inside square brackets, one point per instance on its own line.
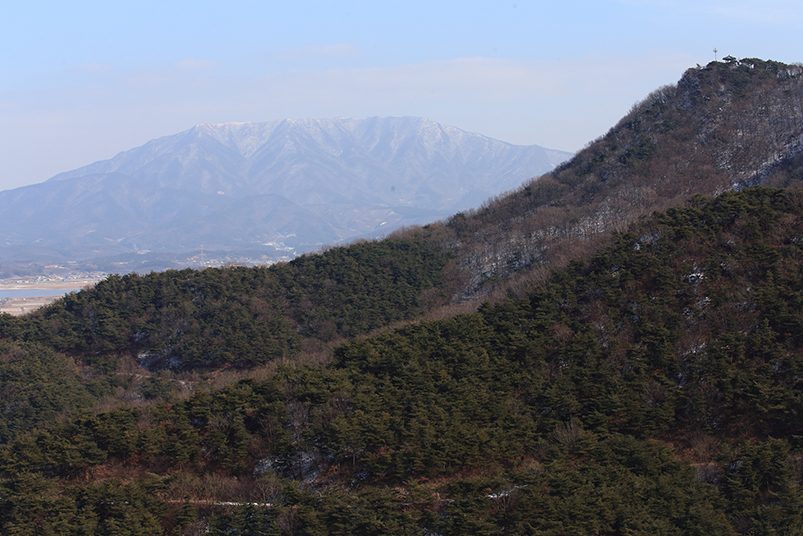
[202, 256]
[715, 54]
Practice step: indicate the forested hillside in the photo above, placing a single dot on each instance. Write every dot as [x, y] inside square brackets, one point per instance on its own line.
[654, 388]
[649, 385]
[726, 125]
[723, 126]
[239, 316]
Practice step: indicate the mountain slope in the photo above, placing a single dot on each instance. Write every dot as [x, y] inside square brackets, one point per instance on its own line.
[723, 126]
[654, 388]
[290, 184]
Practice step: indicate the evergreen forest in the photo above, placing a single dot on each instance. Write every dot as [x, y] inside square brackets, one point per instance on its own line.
[549, 363]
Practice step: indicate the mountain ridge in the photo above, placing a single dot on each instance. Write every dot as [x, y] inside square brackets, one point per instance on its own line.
[340, 179]
[284, 136]
[723, 126]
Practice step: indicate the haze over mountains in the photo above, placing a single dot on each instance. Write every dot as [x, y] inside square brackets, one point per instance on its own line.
[276, 188]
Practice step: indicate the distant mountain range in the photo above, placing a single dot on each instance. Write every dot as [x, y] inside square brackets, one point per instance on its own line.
[276, 189]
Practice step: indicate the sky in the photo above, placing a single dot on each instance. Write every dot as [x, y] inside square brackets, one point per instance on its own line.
[84, 80]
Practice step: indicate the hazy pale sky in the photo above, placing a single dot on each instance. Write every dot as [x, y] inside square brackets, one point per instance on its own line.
[84, 80]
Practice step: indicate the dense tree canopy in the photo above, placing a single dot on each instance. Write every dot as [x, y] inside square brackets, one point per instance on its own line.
[653, 388]
[241, 316]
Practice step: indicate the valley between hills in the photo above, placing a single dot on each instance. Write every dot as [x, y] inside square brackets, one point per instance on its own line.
[613, 347]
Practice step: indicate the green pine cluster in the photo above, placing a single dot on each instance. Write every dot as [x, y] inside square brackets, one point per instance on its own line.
[654, 388]
[241, 317]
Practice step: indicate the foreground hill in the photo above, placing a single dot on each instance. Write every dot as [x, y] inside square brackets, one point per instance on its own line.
[654, 388]
[274, 189]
